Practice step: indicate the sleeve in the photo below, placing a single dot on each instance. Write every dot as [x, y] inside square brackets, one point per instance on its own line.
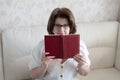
[36, 55]
[84, 51]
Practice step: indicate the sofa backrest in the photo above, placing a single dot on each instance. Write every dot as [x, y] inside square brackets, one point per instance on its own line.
[101, 39]
[117, 64]
[18, 43]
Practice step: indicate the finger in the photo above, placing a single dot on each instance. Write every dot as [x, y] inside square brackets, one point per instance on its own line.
[46, 53]
[80, 58]
[76, 59]
[50, 57]
[81, 55]
[50, 60]
[79, 61]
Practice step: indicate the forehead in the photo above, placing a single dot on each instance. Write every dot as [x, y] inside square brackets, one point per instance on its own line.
[61, 21]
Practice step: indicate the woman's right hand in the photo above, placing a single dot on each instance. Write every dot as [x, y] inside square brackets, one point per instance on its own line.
[47, 59]
[39, 72]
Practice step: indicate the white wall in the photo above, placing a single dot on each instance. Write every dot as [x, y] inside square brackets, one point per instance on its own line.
[15, 13]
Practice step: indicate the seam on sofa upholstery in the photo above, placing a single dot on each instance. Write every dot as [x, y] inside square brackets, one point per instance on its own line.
[116, 45]
[2, 56]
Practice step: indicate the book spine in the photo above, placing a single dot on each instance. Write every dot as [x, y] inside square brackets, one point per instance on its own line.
[61, 47]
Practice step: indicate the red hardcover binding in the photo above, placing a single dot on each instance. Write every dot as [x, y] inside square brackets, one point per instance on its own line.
[62, 46]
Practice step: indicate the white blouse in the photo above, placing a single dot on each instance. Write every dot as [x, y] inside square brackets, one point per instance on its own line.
[56, 70]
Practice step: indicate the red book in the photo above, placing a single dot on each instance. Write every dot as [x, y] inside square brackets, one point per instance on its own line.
[62, 46]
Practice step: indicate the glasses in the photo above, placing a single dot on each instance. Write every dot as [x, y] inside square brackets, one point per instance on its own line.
[59, 26]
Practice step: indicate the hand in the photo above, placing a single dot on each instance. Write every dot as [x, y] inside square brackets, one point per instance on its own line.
[47, 59]
[83, 69]
[80, 59]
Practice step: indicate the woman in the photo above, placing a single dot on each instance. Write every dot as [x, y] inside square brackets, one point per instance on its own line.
[61, 22]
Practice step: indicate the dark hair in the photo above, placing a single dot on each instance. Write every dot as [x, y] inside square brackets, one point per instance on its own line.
[61, 13]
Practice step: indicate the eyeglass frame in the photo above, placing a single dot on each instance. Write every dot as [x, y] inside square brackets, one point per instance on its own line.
[59, 25]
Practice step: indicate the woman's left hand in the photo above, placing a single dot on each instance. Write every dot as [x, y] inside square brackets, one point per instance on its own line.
[80, 59]
[82, 68]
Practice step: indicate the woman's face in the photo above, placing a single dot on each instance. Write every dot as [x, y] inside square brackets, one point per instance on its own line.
[61, 27]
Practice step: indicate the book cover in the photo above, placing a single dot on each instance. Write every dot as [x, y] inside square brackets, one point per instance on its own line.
[62, 46]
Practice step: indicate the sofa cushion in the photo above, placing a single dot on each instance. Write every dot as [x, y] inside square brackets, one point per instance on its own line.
[102, 74]
[101, 39]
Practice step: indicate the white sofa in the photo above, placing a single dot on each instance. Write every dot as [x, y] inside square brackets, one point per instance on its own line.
[102, 39]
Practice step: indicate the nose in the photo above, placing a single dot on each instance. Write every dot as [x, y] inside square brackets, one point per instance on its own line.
[61, 31]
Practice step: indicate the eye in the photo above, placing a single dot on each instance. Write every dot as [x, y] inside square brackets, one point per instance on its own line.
[66, 25]
[57, 25]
